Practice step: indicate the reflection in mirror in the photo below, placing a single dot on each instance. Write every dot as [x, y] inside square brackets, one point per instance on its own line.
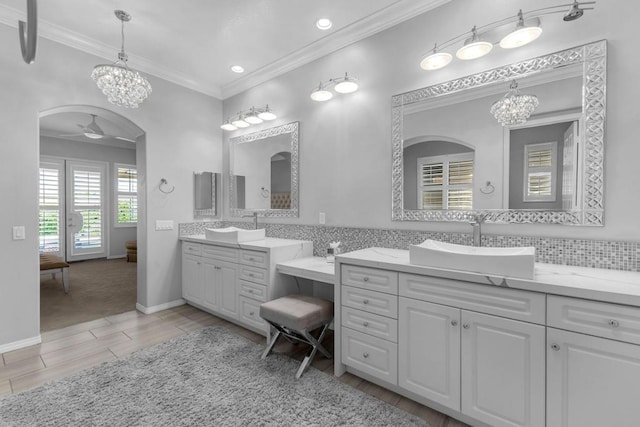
[204, 184]
[452, 159]
[263, 172]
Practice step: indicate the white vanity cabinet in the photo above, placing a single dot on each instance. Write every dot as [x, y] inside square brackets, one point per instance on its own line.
[486, 366]
[231, 281]
[593, 367]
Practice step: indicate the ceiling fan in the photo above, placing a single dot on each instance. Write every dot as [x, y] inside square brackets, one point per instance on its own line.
[93, 131]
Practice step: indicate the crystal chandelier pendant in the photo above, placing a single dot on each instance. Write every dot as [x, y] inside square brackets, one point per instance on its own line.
[122, 86]
[514, 108]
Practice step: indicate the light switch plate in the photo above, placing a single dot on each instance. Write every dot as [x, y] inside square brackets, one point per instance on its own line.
[322, 218]
[164, 224]
[18, 232]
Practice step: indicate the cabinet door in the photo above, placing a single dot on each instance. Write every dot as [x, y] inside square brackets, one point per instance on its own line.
[503, 370]
[228, 274]
[211, 297]
[429, 351]
[591, 381]
[192, 279]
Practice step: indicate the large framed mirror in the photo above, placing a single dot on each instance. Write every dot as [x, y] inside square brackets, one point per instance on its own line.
[453, 160]
[263, 172]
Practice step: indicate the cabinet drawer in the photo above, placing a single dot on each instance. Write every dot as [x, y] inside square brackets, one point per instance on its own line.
[191, 248]
[372, 302]
[618, 322]
[371, 355]
[372, 324]
[254, 258]
[370, 278]
[250, 314]
[253, 274]
[511, 303]
[220, 252]
[252, 290]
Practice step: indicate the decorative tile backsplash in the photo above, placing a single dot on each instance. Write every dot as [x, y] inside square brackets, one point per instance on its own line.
[612, 255]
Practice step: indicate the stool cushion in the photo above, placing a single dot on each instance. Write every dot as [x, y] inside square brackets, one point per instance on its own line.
[297, 312]
[51, 261]
[131, 244]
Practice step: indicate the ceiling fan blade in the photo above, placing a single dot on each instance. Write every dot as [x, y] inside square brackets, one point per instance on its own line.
[72, 134]
[124, 139]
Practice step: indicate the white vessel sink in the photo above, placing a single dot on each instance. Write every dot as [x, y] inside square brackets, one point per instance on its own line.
[233, 234]
[512, 262]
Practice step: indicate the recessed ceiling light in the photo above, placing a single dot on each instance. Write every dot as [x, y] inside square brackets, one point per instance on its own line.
[324, 23]
[237, 69]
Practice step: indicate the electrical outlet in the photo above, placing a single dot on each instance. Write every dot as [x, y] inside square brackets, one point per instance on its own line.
[322, 218]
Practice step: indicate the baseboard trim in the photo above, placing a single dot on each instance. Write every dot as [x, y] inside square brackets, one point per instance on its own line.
[117, 256]
[16, 345]
[160, 307]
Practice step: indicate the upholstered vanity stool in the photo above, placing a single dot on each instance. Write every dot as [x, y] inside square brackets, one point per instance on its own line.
[132, 250]
[295, 317]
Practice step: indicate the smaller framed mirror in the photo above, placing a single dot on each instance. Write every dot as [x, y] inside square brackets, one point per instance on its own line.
[263, 172]
[205, 200]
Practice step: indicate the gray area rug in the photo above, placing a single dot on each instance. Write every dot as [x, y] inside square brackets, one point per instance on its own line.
[210, 377]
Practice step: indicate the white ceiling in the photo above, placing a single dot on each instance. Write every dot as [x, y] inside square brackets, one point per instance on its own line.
[195, 42]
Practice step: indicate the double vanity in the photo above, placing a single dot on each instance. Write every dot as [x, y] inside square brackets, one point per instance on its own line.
[561, 349]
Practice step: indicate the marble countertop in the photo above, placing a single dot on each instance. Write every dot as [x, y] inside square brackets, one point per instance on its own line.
[257, 245]
[622, 287]
[313, 268]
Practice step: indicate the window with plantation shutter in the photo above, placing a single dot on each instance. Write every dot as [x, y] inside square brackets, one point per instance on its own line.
[126, 195]
[87, 197]
[50, 210]
[446, 182]
[540, 172]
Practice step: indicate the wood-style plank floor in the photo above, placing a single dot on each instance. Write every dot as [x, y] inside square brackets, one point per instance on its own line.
[74, 348]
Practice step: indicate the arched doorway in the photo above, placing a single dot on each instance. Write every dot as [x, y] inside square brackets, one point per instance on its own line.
[92, 159]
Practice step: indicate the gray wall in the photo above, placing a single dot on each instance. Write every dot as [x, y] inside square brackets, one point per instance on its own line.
[87, 151]
[520, 138]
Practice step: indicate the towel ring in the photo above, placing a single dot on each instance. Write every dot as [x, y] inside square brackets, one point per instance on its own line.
[164, 182]
[264, 191]
[488, 188]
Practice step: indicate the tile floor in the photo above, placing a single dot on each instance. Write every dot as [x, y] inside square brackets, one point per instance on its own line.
[74, 348]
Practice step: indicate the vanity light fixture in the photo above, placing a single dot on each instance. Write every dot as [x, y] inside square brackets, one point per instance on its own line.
[481, 39]
[122, 86]
[252, 116]
[514, 108]
[346, 84]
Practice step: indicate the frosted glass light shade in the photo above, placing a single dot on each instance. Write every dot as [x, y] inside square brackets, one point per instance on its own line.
[267, 115]
[436, 61]
[321, 95]
[347, 86]
[228, 126]
[253, 119]
[240, 123]
[474, 50]
[520, 37]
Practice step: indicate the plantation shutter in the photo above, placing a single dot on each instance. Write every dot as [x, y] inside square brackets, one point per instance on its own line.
[127, 198]
[49, 210]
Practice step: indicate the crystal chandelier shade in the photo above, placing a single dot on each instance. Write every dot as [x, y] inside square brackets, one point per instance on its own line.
[122, 86]
[514, 108]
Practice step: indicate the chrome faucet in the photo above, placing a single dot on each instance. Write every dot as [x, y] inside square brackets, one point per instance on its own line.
[476, 223]
[255, 218]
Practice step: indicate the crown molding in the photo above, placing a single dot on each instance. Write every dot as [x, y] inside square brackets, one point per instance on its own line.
[368, 26]
[10, 16]
[385, 18]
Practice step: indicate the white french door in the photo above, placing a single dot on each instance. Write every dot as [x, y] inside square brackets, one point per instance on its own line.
[85, 210]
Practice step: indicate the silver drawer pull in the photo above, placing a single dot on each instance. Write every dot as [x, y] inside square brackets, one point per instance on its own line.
[454, 323]
[251, 258]
[250, 291]
[251, 313]
[365, 355]
[365, 324]
[614, 323]
[250, 274]
[365, 301]
[465, 325]
[555, 347]
[365, 279]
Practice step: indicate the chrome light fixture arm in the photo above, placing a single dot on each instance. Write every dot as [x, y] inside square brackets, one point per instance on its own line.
[28, 32]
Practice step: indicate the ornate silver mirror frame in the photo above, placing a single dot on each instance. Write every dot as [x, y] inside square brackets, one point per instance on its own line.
[290, 128]
[593, 58]
[205, 195]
